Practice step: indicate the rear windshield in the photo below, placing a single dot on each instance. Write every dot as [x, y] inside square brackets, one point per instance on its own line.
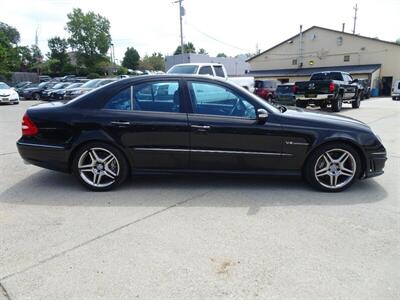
[91, 83]
[327, 76]
[284, 89]
[183, 70]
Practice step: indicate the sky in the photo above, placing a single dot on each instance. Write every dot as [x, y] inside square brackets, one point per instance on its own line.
[232, 27]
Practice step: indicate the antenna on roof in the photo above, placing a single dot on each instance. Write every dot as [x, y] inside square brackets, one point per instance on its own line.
[355, 18]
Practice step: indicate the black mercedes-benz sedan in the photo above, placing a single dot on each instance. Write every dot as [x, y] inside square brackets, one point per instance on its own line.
[168, 123]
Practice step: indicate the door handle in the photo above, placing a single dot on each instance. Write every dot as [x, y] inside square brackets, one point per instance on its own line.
[121, 123]
[200, 127]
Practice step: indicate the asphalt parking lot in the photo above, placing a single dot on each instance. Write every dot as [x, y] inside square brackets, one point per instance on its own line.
[199, 237]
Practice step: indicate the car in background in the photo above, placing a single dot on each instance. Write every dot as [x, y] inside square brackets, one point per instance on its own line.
[21, 90]
[8, 94]
[328, 88]
[22, 84]
[49, 93]
[396, 90]
[266, 89]
[87, 87]
[284, 94]
[213, 70]
[60, 93]
[366, 88]
[44, 78]
[35, 92]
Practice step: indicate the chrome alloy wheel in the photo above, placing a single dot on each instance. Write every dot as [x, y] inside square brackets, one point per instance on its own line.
[98, 167]
[335, 168]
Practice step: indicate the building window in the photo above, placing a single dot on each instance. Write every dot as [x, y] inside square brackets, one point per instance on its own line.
[294, 62]
[346, 58]
[339, 41]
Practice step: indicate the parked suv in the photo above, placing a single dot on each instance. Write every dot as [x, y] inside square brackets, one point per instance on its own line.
[266, 89]
[285, 94]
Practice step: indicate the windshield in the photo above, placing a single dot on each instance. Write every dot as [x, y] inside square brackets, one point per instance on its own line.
[3, 86]
[104, 82]
[90, 84]
[327, 76]
[284, 89]
[59, 86]
[183, 70]
[42, 84]
[74, 85]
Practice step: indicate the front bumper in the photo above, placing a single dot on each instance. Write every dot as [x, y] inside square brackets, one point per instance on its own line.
[375, 163]
[8, 100]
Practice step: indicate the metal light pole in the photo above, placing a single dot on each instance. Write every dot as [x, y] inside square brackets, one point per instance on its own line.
[181, 14]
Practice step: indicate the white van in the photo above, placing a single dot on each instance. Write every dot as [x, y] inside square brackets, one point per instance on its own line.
[396, 90]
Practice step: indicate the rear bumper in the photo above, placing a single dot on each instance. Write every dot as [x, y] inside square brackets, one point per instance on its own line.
[51, 157]
[317, 97]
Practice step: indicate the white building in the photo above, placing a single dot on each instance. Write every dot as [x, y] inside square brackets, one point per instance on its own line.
[321, 49]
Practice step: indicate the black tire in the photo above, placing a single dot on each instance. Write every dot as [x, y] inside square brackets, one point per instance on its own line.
[36, 96]
[337, 103]
[309, 169]
[269, 99]
[302, 104]
[356, 103]
[119, 161]
[322, 105]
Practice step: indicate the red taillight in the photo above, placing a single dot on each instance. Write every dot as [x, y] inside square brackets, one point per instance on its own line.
[332, 87]
[28, 127]
[295, 89]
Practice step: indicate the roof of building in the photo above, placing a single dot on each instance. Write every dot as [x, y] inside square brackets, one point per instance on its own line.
[356, 69]
[323, 28]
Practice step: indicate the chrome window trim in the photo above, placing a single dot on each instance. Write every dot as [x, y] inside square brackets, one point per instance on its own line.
[212, 151]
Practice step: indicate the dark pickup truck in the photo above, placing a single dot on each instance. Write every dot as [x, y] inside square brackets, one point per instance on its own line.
[328, 88]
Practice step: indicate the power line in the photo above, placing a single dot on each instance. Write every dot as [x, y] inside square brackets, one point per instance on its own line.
[216, 39]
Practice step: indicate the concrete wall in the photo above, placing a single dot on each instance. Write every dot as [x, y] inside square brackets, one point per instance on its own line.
[324, 49]
[233, 66]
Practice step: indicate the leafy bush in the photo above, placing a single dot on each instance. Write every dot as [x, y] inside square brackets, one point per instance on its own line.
[93, 75]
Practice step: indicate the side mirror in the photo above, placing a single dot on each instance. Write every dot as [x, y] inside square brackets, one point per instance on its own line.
[262, 115]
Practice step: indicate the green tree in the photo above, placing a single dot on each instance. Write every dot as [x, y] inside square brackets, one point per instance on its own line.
[131, 58]
[188, 48]
[26, 59]
[202, 51]
[58, 54]
[89, 36]
[154, 62]
[221, 54]
[10, 32]
[9, 58]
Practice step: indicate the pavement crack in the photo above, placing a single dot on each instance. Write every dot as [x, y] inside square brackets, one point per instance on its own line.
[4, 292]
[43, 261]
[8, 153]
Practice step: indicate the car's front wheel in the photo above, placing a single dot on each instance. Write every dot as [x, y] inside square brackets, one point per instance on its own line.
[333, 167]
[356, 102]
[337, 103]
[100, 167]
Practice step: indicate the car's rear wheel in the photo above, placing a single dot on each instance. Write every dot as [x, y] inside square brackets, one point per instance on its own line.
[333, 167]
[36, 96]
[337, 103]
[100, 167]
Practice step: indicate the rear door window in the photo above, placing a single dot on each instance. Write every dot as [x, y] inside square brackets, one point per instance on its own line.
[206, 70]
[161, 96]
[219, 71]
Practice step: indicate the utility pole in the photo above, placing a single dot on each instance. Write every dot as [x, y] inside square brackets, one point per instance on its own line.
[181, 14]
[355, 18]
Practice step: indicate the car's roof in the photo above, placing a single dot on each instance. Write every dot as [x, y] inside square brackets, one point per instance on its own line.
[198, 64]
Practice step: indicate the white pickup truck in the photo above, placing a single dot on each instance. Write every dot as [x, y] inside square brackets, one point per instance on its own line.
[212, 69]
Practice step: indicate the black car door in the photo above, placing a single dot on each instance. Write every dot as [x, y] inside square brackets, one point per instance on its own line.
[147, 119]
[224, 131]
